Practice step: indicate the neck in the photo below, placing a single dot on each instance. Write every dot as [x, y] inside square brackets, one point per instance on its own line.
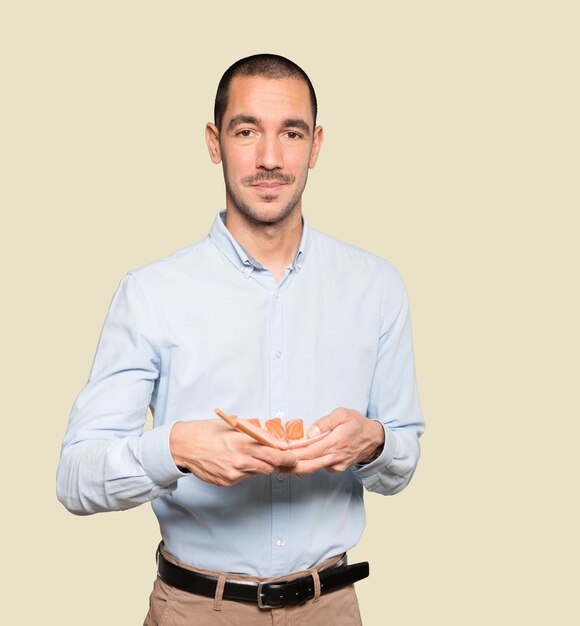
[272, 245]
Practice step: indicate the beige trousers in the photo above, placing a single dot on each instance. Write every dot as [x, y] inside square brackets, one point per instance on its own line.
[169, 606]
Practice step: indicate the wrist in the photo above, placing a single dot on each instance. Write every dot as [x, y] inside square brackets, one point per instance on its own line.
[176, 438]
[378, 441]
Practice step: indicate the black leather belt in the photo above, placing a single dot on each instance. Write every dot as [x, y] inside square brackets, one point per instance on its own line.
[265, 594]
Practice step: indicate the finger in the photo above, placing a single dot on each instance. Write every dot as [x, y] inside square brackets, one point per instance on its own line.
[309, 466]
[275, 458]
[256, 466]
[322, 425]
[314, 430]
[245, 466]
[317, 449]
[328, 422]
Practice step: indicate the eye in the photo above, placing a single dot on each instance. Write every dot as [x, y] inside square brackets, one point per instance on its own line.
[245, 133]
[292, 134]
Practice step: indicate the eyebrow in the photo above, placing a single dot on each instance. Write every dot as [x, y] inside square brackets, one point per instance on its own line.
[293, 122]
[242, 119]
[296, 122]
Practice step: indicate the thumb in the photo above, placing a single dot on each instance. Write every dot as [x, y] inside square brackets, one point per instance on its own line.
[324, 424]
[313, 431]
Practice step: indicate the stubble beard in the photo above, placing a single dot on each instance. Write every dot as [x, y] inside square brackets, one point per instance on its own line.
[253, 213]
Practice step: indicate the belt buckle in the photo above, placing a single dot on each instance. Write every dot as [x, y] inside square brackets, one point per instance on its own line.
[261, 595]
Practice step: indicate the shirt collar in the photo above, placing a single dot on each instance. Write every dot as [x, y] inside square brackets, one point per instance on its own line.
[236, 253]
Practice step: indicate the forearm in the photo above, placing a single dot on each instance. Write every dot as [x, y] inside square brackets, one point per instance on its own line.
[115, 474]
[394, 400]
[392, 470]
[107, 462]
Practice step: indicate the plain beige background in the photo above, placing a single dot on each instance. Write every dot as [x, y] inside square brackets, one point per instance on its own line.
[452, 149]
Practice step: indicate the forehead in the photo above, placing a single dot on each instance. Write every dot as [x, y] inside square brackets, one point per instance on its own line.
[269, 99]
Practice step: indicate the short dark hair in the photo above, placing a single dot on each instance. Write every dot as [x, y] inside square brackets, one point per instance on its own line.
[266, 65]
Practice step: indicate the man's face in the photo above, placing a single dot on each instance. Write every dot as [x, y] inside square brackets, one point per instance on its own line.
[266, 144]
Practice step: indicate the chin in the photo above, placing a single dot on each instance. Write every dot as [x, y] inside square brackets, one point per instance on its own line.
[275, 216]
[267, 213]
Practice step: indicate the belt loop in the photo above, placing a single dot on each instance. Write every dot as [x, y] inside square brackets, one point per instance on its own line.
[219, 592]
[316, 578]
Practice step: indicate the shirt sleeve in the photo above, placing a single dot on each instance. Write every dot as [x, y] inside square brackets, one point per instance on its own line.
[107, 460]
[394, 400]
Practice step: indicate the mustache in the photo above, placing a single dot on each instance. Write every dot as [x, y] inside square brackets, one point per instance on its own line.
[268, 177]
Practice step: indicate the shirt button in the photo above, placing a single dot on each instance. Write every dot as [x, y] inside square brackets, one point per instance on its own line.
[298, 266]
[280, 543]
[281, 476]
[278, 355]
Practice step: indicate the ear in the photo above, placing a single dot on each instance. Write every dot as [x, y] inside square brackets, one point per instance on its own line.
[212, 138]
[316, 145]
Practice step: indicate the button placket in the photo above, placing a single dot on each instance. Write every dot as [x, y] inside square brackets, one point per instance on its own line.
[280, 482]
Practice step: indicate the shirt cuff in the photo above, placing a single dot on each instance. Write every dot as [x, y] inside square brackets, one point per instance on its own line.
[156, 456]
[366, 472]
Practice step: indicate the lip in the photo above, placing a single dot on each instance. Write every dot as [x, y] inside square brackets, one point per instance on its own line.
[269, 186]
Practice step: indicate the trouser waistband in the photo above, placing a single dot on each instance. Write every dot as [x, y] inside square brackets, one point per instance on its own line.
[267, 593]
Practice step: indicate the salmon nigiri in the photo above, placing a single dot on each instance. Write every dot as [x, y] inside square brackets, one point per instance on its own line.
[294, 429]
[274, 426]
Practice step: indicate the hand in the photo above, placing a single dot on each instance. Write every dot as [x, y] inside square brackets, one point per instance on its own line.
[353, 439]
[218, 454]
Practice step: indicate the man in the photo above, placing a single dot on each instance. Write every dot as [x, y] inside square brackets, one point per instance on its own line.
[265, 317]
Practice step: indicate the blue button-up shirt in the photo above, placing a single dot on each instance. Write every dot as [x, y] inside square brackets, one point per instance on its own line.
[209, 326]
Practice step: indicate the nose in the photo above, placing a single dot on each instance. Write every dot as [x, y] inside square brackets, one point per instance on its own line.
[269, 155]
